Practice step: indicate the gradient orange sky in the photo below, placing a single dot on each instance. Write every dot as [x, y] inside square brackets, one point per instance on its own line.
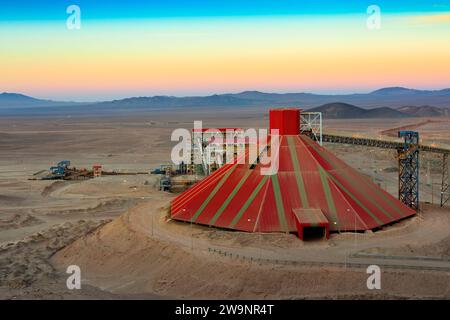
[109, 59]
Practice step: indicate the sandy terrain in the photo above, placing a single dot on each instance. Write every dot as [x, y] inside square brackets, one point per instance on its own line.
[46, 225]
[175, 260]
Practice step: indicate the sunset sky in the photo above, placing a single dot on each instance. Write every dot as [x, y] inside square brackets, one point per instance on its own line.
[199, 47]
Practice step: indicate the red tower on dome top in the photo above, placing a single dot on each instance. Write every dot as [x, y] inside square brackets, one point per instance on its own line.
[286, 120]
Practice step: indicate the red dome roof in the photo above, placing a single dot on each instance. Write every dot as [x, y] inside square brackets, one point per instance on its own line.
[238, 196]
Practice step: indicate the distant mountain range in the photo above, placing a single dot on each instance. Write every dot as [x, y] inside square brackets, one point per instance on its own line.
[385, 102]
[386, 97]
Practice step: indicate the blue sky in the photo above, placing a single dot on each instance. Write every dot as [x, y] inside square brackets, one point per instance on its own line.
[197, 47]
[13, 10]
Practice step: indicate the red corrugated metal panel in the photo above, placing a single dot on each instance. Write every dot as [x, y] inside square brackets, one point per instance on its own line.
[193, 191]
[268, 220]
[220, 196]
[349, 217]
[249, 221]
[289, 190]
[234, 206]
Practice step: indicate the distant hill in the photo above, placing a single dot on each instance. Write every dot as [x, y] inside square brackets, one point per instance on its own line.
[425, 111]
[385, 112]
[397, 91]
[339, 110]
[17, 100]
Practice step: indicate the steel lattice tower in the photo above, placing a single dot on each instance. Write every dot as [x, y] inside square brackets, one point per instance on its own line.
[408, 160]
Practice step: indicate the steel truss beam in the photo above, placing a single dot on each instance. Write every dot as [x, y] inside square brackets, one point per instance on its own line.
[385, 144]
[311, 125]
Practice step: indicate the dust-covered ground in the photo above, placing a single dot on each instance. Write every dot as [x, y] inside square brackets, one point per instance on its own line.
[45, 225]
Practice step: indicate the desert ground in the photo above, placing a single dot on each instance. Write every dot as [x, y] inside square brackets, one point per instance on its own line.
[116, 227]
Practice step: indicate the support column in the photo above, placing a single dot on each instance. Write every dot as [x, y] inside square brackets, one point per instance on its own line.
[408, 162]
[445, 190]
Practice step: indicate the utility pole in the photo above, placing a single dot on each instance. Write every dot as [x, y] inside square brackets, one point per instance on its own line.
[432, 191]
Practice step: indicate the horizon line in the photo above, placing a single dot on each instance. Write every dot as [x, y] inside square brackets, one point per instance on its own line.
[131, 96]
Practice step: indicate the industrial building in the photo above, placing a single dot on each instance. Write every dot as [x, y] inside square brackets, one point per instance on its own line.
[312, 189]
